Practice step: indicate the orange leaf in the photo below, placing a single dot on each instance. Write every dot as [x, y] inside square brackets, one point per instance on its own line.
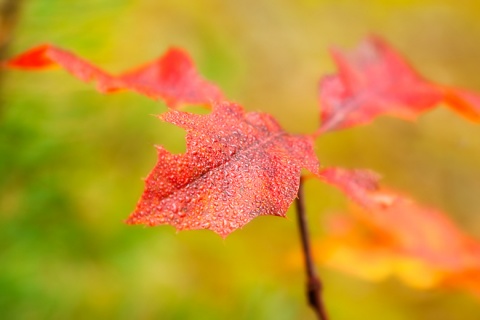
[172, 77]
[400, 233]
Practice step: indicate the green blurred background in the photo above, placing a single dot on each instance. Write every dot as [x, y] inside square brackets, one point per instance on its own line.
[71, 159]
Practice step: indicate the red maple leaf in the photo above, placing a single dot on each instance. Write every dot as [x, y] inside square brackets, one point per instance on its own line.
[393, 229]
[237, 166]
[172, 77]
[375, 80]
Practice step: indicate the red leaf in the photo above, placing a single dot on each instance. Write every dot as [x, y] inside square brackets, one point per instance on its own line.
[375, 80]
[356, 184]
[237, 166]
[400, 229]
[172, 77]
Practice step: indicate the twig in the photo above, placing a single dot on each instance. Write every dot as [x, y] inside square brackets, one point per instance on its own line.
[9, 11]
[314, 285]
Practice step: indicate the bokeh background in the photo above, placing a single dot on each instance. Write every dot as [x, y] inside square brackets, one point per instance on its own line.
[71, 159]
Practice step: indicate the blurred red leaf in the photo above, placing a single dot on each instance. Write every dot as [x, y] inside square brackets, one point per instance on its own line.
[391, 229]
[172, 77]
[237, 166]
[375, 80]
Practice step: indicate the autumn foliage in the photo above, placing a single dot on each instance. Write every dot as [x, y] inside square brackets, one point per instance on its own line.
[172, 77]
[375, 80]
[239, 165]
[397, 237]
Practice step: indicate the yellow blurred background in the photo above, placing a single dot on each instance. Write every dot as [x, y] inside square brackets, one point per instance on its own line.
[71, 159]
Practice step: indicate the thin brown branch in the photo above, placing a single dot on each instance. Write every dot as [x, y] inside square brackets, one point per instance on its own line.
[9, 11]
[314, 285]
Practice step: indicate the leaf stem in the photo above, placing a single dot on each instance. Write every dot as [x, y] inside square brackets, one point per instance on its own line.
[341, 113]
[314, 285]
